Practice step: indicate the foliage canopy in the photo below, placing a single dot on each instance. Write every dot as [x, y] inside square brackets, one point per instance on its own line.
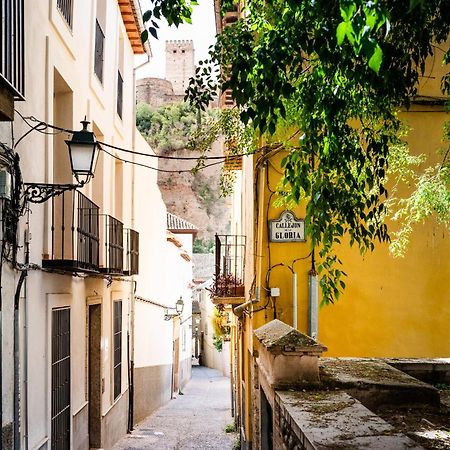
[338, 72]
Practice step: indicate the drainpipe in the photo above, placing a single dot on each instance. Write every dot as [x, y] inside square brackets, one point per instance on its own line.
[313, 299]
[131, 310]
[16, 346]
[1, 337]
[294, 299]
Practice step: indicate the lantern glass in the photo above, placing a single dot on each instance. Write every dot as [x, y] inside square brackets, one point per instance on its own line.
[82, 158]
[179, 305]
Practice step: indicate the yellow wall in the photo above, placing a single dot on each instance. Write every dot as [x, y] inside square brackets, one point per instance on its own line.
[390, 308]
[396, 307]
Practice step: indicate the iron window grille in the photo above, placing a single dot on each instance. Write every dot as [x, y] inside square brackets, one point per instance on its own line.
[74, 233]
[117, 342]
[12, 46]
[131, 240]
[65, 8]
[119, 94]
[99, 51]
[61, 414]
[112, 257]
[230, 265]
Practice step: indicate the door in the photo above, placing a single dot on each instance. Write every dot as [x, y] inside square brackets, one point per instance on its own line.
[61, 414]
[95, 376]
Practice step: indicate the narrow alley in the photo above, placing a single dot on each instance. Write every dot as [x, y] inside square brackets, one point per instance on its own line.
[194, 420]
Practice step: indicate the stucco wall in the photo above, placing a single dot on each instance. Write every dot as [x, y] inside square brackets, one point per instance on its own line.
[60, 62]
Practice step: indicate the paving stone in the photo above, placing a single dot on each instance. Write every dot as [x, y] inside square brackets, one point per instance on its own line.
[195, 420]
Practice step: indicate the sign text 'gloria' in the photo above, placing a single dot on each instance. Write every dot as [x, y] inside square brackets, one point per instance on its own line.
[287, 228]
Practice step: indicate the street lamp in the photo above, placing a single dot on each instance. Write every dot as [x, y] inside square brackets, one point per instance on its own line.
[83, 154]
[179, 306]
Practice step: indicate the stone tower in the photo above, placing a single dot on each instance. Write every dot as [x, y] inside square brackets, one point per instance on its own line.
[179, 64]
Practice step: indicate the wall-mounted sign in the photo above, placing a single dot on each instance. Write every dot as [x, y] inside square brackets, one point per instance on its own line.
[287, 228]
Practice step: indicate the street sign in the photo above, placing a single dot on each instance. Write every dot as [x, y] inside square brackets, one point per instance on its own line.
[287, 228]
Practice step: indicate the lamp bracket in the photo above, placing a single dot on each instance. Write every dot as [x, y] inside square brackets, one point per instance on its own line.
[170, 315]
[41, 192]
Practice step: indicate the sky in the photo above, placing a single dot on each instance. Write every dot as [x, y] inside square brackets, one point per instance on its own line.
[202, 32]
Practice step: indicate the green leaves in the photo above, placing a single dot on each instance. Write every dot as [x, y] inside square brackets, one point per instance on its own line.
[361, 21]
[376, 59]
[338, 71]
[175, 12]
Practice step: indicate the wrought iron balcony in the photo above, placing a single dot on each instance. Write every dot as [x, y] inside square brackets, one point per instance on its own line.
[74, 234]
[132, 252]
[111, 260]
[12, 41]
[228, 287]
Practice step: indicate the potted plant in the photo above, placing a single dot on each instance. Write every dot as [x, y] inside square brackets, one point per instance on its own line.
[227, 285]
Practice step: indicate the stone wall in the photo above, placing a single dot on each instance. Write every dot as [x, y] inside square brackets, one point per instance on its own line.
[179, 64]
[156, 92]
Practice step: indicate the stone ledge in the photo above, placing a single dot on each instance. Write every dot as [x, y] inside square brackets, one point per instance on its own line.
[326, 419]
[279, 337]
[374, 382]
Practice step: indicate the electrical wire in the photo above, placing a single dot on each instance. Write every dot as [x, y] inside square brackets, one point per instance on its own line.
[127, 161]
[122, 149]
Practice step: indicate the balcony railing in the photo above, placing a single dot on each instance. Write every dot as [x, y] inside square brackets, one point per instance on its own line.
[228, 285]
[12, 52]
[119, 94]
[65, 8]
[131, 266]
[111, 261]
[99, 51]
[74, 234]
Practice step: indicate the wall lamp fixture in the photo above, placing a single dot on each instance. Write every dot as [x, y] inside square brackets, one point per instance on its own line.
[83, 154]
[179, 306]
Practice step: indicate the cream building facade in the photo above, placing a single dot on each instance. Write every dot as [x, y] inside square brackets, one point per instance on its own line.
[71, 311]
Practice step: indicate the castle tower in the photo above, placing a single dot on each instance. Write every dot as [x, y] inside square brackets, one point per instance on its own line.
[179, 64]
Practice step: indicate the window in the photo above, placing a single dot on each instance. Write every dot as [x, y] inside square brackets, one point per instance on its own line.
[12, 49]
[119, 94]
[61, 415]
[99, 50]
[117, 343]
[120, 71]
[100, 32]
[65, 8]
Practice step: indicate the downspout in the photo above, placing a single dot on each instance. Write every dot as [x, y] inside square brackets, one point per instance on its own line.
[313, 290]
[16, 346]
[131, 321]
[313, 300]
[1, 334]
[294, 299]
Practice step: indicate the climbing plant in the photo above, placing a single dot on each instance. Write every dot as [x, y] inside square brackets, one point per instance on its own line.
[337, 72]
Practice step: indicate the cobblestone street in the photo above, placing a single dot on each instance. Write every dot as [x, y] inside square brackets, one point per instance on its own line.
[195, 420]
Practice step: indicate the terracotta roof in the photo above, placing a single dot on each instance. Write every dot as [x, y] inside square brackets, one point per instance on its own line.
[178, 225]
[172, 238]
[132, 19]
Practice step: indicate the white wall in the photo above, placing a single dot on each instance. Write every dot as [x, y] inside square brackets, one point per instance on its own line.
[50, 47]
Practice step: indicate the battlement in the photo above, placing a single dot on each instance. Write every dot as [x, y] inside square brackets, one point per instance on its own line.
[185, 44]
